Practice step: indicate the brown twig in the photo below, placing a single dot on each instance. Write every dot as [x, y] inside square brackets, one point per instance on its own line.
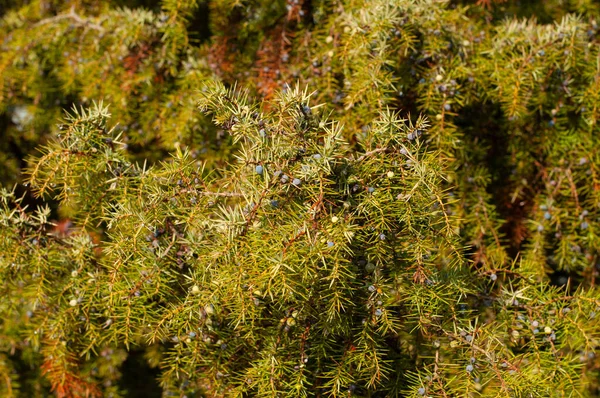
[71, 15]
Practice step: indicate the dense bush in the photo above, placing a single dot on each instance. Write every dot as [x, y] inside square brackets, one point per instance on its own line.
[299, 198]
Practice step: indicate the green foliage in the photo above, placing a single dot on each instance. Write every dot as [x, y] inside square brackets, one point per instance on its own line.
[321, 199]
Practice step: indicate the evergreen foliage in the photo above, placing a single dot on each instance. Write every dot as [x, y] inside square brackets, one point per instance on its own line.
[300, 198]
